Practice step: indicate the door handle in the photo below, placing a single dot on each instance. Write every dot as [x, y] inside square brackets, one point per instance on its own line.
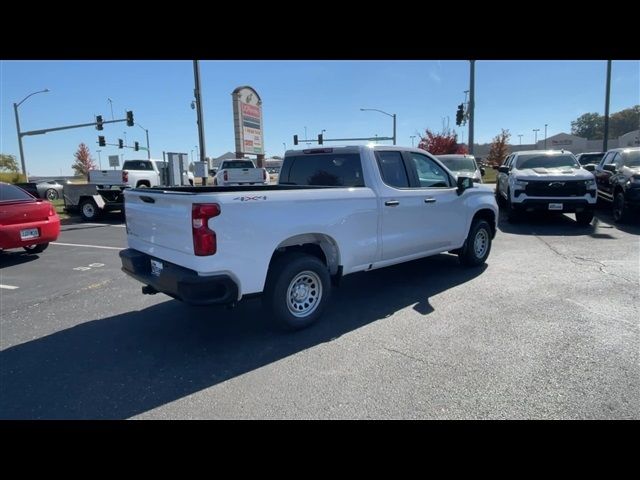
[392, 203]
[430, 200]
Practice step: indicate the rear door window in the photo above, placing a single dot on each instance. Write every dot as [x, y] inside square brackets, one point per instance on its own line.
[327, 170]
[392, 169]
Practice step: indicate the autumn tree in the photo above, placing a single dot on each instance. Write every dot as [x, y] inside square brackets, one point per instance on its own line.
[8, 163]
[443, 143]
[499, 148]
[83, 162]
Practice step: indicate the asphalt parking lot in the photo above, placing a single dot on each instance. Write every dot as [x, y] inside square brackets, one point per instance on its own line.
[548, 329]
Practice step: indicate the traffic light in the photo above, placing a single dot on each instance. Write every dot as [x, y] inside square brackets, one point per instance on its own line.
[101, 141]
[295, 139]
[120, 144]
[320, 139]
[129, 118]
[99, 122]
[460, 114]
[136, 146]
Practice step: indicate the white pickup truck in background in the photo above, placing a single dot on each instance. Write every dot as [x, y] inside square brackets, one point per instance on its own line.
[335, 211]
[138, 174]
[240, 172]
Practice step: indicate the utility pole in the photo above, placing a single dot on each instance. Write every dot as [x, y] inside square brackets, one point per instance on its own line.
[605, 142]
[99, 159]
[545, 135]
[536, 130]
[198, 95]
[472, 88]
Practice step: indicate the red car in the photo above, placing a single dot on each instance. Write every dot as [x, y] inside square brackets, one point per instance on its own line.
[26, 221]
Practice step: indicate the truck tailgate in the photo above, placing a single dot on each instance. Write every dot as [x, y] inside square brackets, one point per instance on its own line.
[245, 175]
[160, 218]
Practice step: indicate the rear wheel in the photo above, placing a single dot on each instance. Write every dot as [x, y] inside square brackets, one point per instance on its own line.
[41, 247]
[297, 290]
[478, 244]
[51, 194]
[89, 210]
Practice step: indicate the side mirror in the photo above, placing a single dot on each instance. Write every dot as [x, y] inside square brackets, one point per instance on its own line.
[463, 184]
[609, 167]
[482, 171]
[503, 169]
[590, 166]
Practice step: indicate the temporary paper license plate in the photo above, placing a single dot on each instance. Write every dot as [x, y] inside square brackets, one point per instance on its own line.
[29, 233]
[156, 268]
[555, 206]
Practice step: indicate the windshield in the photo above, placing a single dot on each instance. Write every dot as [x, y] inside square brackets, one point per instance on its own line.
[238, 164]
[10, 193]
[587, 158]
[458, 164]
[546, 161]
[631, 159]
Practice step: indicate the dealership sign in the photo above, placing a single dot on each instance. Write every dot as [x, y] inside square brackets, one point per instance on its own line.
[247, 121]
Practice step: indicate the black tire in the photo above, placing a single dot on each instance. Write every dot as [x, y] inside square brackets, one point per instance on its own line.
[142, 185]
[499, 199]
[584, 218]
[619, 211]
[478, 244]
[89, 210]
[39, 248]
[286, 272]
[51, 194]
[512, 214]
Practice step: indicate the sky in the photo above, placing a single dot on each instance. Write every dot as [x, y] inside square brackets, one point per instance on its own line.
[297, 95]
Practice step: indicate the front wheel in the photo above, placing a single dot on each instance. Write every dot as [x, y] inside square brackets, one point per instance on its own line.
[41, 247]
[297, 290]
[620, 214]
[51, 194]
[584, 218]
[478, 244]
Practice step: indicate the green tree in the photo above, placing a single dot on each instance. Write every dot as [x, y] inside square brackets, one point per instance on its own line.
[589, 126]
[8, 163]
[83, 162]
[624, 121]
[499, 148]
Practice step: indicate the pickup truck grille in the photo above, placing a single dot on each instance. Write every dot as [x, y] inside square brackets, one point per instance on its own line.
[571, 188]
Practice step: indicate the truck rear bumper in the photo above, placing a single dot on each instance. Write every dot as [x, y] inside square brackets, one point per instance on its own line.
[178, 282]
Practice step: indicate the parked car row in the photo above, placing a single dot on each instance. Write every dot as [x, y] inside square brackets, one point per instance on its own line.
[558, 181]
[49, 189]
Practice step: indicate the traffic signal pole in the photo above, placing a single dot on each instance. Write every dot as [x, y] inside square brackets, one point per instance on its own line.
[55, 129]
[472, 88]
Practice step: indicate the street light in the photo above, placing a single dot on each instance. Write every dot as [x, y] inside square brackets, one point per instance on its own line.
[147, 133]
[520, 136]
[389, 114]
[99, 159]
[536, 130]
[15, 109]
[285, 146]
[545, 135]
[412, 137]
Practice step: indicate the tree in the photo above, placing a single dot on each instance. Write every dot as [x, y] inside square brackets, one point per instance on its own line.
[624, 121]
[83, 162]
[442, 143]
[589, 126]
[8, 163]
[499, 148]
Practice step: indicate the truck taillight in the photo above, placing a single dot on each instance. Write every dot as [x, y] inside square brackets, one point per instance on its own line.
[204, 239]
[125, 176]
[226, 176]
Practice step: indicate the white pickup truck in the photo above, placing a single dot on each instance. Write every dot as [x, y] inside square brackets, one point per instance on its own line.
[335, 211]
[240, 172]
[137, 173]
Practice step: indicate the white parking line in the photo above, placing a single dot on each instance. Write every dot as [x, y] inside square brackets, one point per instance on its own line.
[120, 226]
[88, 246]
[8, 287]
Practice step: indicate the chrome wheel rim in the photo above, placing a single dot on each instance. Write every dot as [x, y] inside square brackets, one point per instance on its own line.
[481, 243]
[88, 210]
[304, 294]
[52, 194]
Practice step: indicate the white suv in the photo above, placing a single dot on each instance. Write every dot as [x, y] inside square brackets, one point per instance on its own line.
[546, 180]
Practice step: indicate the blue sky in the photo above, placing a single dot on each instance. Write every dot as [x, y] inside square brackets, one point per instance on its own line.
[516, 95]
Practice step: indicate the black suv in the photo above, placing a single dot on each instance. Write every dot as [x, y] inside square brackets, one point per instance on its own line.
[618, 181]
[589, 158]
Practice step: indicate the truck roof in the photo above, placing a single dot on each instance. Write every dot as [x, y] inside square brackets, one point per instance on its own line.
[352, 149]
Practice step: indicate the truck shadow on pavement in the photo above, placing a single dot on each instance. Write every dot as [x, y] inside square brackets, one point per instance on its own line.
[556, 224]
[128, 364]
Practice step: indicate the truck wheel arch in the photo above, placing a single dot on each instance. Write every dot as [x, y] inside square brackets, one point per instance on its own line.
[317, 244]
[488, 215]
